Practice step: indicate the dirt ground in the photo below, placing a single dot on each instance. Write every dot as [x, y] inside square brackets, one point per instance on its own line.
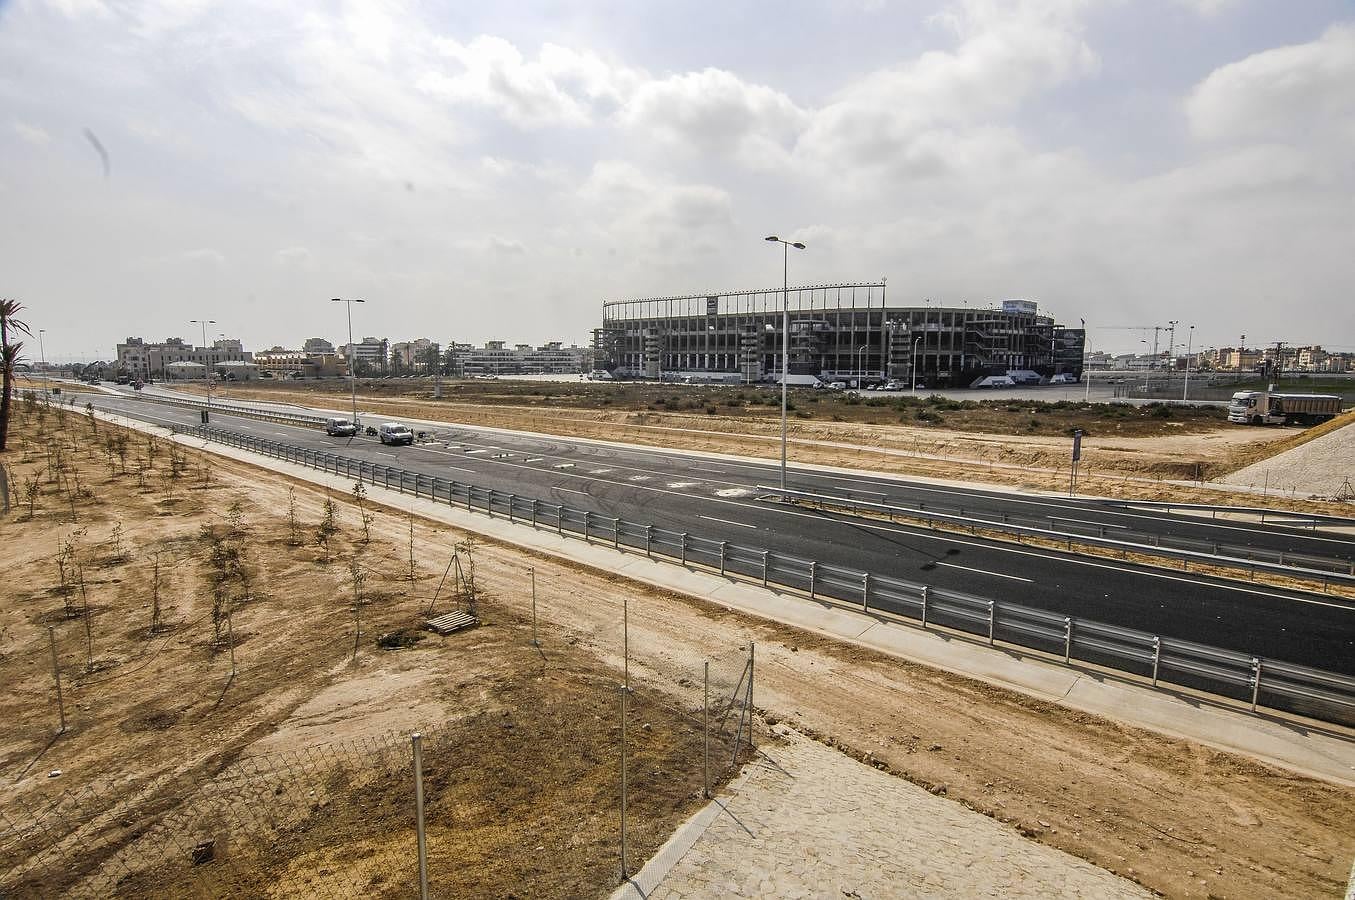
[522, 756]
[1178, 817]
[1145, 463]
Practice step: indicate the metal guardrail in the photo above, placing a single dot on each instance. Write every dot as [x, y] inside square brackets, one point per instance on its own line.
[233, 410]
[1186, 550]
[1258, 681]
[1286, 515]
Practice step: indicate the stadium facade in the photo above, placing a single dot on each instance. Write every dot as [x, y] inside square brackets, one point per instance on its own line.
[844, 332]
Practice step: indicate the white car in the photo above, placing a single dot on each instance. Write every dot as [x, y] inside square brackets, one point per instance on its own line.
[394, 433]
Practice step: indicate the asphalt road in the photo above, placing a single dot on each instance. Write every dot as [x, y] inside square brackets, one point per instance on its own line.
[717, 499]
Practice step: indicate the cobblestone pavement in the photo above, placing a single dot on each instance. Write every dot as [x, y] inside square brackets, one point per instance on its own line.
[813, 822]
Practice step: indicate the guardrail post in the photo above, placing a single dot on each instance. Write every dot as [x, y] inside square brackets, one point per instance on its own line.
[724, 552]
[684, 548]
[489, 504]
[512, 501]
[649, 539]
[1255, 680]
[536, 507]
[1157, 656]
[865, 591]
[616, 533]
[469, 491]
[559, 518]
[813, 574]
[1067, 638]
[926, 595]
[765, 553]
[586, 516]
[992, 607]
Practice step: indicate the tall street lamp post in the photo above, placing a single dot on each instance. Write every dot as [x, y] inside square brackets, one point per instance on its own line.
[916, 341]
[42, 354]
[206, 378]
[785, 339]
[1190, 344]
[352, 359]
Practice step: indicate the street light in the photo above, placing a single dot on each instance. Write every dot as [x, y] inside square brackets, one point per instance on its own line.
[42, 354]
[785, 339]
[1190, 343]
[861, 366]
[917, 340]
[207, 382]
[352, 362]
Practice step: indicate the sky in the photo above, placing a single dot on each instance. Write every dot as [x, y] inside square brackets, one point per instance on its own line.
[481, 171]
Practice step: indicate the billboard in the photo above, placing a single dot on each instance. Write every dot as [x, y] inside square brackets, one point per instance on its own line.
[712, 305]
[1019, 307]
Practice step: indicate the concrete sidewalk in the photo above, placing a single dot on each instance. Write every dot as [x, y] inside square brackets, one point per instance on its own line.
[1327, 752]
[808, 821]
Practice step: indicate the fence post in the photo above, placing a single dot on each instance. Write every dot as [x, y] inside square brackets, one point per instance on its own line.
[1157, 656]
[625, 872]
[56, 673]
[992, 607]
[684, 548]
[616, 533]
[765, 553]
[1067, 638]
[532, 571]
[724, 549]
[865, 592]
[926, 595]
[417, 740]
[586, 516]
[752, 652]
[1256, 680]
[705, 731]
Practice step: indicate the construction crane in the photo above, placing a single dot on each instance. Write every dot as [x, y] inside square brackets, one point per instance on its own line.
[1155, 329]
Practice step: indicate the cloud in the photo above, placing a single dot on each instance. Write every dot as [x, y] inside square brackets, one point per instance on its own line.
[202, 255]
[500, 246]
[716, 111]
[1286, 93]
[33, 134]
[903, 117]
[292, 256]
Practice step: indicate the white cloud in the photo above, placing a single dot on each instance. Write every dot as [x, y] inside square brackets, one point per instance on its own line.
[33, 134]
[203, 255]
[292, 256]
[1286, 93]
[716, 111]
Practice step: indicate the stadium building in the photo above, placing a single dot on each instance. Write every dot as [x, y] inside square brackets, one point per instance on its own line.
[842, 332]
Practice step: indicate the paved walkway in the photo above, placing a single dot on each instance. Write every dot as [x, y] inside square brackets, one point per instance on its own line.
[812, 822]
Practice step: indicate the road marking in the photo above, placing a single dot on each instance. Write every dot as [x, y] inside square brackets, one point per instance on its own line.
[1084, 522]
[571, 491]
[563, 466]
[733, 492]
[986, 572]
[598, 471]
[534, 459]
[727, 521]
[470, 452]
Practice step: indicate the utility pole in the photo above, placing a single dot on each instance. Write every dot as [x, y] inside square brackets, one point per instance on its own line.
[1279, 364]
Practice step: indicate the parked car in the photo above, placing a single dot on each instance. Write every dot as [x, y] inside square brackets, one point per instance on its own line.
[394, 433]
[1064, 378]
[339, 427]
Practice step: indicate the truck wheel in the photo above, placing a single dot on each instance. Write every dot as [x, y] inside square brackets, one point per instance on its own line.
[1256, 420]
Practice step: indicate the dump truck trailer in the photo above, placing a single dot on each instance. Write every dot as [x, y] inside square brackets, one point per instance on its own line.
[1270, 408]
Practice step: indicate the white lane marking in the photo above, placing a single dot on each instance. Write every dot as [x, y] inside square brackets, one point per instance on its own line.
[682, 484]
[733, 492]
[1084, 521]
[570, 491]
[923, 535]
[727, 521]
[470, 452]
[986, 572]
[563, 466]
[534, 459]
[598, 471]
[638, 478]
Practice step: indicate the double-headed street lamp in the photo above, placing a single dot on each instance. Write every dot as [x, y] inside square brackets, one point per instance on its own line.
[913, 356]
[42, 354]
[206, 380]
[785, 340]
[352, 363]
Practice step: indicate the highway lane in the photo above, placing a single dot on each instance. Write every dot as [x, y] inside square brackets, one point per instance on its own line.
[700, 497]
[1078, 513]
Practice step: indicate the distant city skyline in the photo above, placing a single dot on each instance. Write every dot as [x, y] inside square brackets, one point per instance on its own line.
[489, 170]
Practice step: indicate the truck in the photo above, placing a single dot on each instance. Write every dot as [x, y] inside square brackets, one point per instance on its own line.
[1269, 408]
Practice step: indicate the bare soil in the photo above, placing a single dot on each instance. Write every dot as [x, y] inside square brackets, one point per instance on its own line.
[1178, 817]
[522, 758]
